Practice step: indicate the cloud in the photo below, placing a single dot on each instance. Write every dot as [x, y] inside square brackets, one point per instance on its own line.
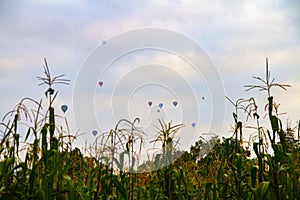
[237, 35]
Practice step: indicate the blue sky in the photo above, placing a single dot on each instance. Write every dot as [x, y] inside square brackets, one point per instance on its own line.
[236, 35]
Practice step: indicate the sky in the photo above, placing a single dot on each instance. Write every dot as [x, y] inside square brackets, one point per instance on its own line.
[234, 38]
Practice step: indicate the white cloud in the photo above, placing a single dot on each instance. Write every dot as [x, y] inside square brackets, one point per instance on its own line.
[237, 35]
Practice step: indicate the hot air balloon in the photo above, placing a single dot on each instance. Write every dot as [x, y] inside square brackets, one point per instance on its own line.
[175, 103]
[94, 132]
[64, 108]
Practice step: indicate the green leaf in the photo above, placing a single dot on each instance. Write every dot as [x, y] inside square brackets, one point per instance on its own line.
[120, 188]
[121, 158]
[274, 123]
[235, 117]
[254, 170]
[66, 177]
[27, 134]
[51, 122]
[227, 148]
[67, 165]
[262, 190]
[44, 137]
[209, 160]
[255, 148]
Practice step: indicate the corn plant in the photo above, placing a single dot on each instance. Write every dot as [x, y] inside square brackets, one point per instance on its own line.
[45, 165]
[276, 183]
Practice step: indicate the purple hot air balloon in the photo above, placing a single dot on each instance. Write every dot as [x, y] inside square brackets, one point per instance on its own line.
[94, 132]
[100, 83]
[64, 108]
[150, 103]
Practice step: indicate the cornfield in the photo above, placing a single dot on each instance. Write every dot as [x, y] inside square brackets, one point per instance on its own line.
[52, 168]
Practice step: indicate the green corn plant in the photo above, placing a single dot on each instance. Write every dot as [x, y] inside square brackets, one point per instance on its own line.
[129, 136]
[267, 86]
[248, 106]
[277, 163]
[47, 166]
[114, 147]
[166, 136]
